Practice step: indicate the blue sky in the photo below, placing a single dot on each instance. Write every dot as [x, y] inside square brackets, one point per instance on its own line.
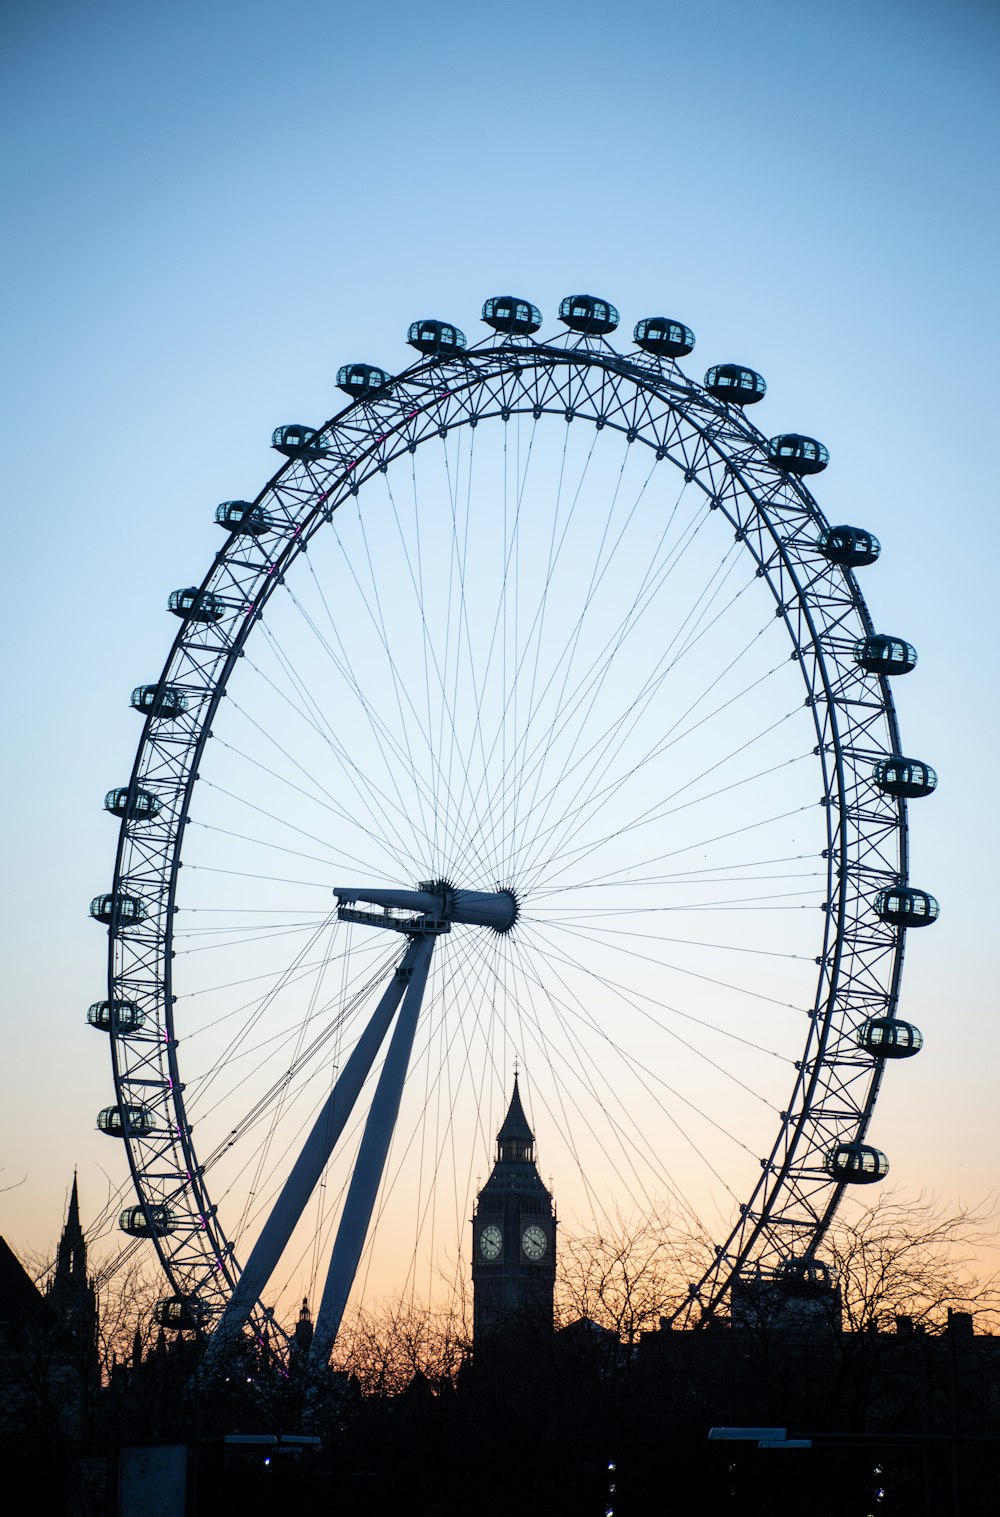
[211, 206]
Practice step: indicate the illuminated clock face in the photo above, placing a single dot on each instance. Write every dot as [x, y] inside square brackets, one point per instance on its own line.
[490, 1241]
[534, 1242]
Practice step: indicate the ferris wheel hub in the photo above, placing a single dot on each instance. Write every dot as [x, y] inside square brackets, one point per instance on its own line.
[431, 908]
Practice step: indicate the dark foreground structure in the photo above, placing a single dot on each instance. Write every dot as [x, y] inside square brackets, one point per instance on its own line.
[901, 1422]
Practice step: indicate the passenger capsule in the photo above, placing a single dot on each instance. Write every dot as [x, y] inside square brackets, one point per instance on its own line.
[243, 516]
[361, 379]
[662, 337]
[165, 702]
[124, 1120]
[911, 778]
[797, 454]
[137, 805]
[886, 1038]
[902, 906]
[588, 314]
[118, 910]
[152, 1221]
[806, 1276]
[882, 654]
[297, 441]
[856, 1163]
[121, 1017]
[196, 605]
[507, 313]
[851, 547]
[436, 339]
[180, 1313]
[734, 384]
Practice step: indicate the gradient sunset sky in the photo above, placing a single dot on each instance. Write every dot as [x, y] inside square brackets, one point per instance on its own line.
[210, 206]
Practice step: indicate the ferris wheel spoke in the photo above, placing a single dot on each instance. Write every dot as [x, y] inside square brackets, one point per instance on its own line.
[604, 753]
[582, 697]
[608, 740]
[629, 1140]
[377, 802]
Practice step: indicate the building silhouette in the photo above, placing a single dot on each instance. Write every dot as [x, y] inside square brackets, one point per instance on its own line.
[513, 1239]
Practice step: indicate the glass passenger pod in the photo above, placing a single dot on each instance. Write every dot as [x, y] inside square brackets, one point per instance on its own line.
[851, 547]
[588, 314]
[885, 1038]
[295, 440]
[910, 778]
[797, 454]
[196, 605]
[807, 1277]
[662, 337]
[508, 313]
[735, 385]
[882, 654]
[165, 702]
[119, 1121]
[856, 1163]
[138, 805]
[361, 379]
[121, 1017]
[242, 516]
[152, 1221]
[180, 1313]
[436, 339]
[118, 910]
[903, 906]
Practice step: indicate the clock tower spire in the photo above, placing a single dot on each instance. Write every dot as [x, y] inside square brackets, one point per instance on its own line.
[513, 1238]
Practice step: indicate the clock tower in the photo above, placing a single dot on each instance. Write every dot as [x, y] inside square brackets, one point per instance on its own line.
[513, 1237]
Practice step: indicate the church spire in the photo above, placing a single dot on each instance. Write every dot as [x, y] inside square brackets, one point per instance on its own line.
[71, 1294]
[71, 1262]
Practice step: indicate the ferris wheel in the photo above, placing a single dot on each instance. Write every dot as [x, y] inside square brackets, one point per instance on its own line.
[531, 710]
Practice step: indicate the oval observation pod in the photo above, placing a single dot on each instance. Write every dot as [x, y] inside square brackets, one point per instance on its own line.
[882, 654]
[885, 1038]
[662, 337]
[856, 1163]
[124, 1120]
[436, 339]
[152, 1221]
[589, 314]
[851, 547]
[735, 385]
[510, 314]
[120, 1017]
[902, 906]
[165, 702]
[361, 379]
[196, 605]
[798, 454]
[806, 1277]
[118, 910]
[137, 805]
[295, 440]
[181, 1314]
[910, 778]
[242, 516]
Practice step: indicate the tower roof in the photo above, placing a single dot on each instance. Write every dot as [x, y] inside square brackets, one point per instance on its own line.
[515, 1123]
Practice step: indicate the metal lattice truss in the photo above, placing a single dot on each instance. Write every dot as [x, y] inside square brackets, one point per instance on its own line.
[778, 523]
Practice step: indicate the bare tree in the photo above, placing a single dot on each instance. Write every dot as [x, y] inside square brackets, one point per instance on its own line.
[914, 1257]
[387, 1348]
[629, 1275]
